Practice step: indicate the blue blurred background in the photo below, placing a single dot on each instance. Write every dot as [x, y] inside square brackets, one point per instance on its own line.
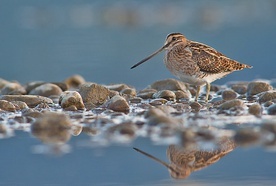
[100, 40]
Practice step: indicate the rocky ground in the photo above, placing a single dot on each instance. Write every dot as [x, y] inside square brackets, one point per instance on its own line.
[164, 111]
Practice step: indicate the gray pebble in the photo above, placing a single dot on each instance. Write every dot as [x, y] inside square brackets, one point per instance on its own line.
[239, 88]
[135, 100]
[257, 87]
[228, 95]
[271, 110]
[267, 96]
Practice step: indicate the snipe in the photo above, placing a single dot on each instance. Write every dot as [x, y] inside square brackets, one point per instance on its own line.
[195, 63]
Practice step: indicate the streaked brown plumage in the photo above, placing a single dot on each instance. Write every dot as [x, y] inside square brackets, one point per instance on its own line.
[195, 63]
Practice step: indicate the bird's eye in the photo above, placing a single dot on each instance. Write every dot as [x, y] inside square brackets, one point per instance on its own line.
[173, 38]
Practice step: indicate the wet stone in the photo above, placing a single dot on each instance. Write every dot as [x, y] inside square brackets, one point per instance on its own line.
[169, 84]
[30, 100]
[20, 104]
[268, 103]
[117, 103]
[228, 95]
[146, 93]
[135, 100]
[166, 94]
[129, 91]
[13, 88]
[214, 88]
[158, 101]
[257, 87]
[195, 106]
[46, 90]
[7, 106]
[239, 88]
[271, 110]
[31, 113]
[117, 87]
[267, 96]
[181, 95]
[231, 104]
[255, 109]
[93, 94]
[73, 82]
[3, 83]
[71, 100]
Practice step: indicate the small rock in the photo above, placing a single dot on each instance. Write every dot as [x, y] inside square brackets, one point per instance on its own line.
[246, 137]
[20, 104]
[146, 93]
[179, 94]
[268, 103]
[118, 103]
[231, 103]
[166, 94]
[93, 94]
[135, 100]
[158, 101]
[214, 88]
[46, 90]
[228, 95]
[255, 109]
[13, 89]
[117, 87]
[129, 91]
[7, 106]
[30, 100]
[3, 83]
[196, 106]
[52, 128]
[31, 113]
[239, 88]
[74, 81]
[71, 99]
[267, 96]
[271, 110]
[257, 87]
[113, 93]
[169, 84]
[31, 85]
[61, 85]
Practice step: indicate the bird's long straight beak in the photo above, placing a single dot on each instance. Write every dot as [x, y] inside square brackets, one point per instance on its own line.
[147, 58]
[154, 158]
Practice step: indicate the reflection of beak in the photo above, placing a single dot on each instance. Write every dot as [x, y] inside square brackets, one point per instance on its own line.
[154, 158]
[147, 58]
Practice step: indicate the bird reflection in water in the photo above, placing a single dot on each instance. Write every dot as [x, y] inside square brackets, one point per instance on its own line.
[184, 161]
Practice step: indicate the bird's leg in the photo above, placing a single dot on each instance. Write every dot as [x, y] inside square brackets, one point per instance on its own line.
[197, 92]
[208, 87]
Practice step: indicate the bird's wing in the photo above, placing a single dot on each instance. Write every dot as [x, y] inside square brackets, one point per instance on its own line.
[211, 61]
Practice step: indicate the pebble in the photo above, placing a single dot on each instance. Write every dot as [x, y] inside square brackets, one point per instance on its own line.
[239, 88]
[46, 90]
[30, 100]
[13, 88]
[267, 96]
[255, 109]
[268, 103]
[135, 100]
[3, 83]
[129, 91]
[117, 87]
[71, 100]
[73, 82]
[118, 104]
[195, 106]
[271, 110]
[52, 128]
[181, 95]
[166, 94]
[158, 101]
[93, 94]
[257, 87]
[7, 106]
[228, 95]
[231, 103]
[169, 84]
[31, 113]
[146, 93]
[20, 104]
